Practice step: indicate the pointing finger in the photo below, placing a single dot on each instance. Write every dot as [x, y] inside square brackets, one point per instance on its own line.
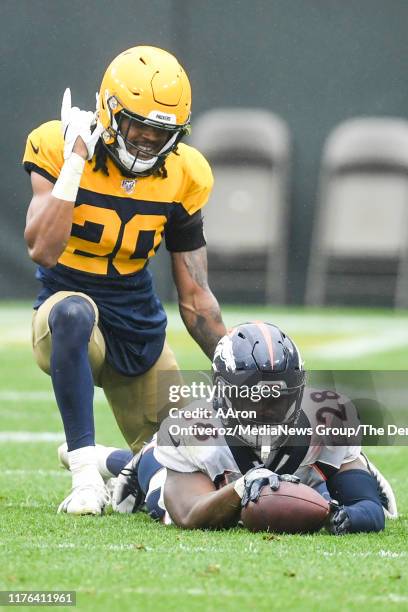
[66, 105]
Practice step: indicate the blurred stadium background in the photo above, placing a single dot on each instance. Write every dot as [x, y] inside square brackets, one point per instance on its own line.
[303, 209]
[302, 110]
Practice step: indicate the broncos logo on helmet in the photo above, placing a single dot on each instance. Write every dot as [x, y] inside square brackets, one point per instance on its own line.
[224, 353]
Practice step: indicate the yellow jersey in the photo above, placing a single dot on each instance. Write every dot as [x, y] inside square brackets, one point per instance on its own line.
[118, 225]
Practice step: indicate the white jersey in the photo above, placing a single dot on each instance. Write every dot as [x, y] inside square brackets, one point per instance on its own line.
[196, 442]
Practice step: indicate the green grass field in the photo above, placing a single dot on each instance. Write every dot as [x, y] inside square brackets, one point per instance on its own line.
[130, 563]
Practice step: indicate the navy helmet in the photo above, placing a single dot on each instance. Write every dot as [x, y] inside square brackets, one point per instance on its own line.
[259, 376]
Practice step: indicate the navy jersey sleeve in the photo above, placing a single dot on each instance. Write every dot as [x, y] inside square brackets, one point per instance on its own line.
[184, 232]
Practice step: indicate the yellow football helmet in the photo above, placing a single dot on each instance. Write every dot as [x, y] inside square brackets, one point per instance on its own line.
[144, 91]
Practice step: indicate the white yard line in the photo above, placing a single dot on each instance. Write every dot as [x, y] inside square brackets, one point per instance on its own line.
[310, 323]
[383, 554]
[58, 473]
[363, 335]
[31, 436]
[13, 395]
[26, 396]
[16, 326]
[362, 345]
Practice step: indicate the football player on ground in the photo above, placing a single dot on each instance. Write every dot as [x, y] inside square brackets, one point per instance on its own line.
[202, 481]
[106, 187]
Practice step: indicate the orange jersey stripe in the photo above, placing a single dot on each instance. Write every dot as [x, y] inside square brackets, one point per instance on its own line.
[319, 471]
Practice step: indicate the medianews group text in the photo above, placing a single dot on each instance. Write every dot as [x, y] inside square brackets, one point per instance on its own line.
[211, 430]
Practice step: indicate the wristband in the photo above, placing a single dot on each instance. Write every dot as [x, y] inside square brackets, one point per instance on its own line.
[67, 185]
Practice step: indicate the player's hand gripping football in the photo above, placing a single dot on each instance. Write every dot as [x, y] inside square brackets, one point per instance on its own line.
[80, 129]
[338, 522]
[249, 486]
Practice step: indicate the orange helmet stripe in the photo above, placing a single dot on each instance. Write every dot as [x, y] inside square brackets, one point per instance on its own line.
[264, 331]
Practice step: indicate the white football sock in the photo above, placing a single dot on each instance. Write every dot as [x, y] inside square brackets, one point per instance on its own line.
[102, 453]
[84, 467]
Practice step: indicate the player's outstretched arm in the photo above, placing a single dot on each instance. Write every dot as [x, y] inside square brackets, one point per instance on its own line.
[193, 502]
[198, 306]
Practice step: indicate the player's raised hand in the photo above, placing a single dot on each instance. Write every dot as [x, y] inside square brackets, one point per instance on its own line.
[80, 129]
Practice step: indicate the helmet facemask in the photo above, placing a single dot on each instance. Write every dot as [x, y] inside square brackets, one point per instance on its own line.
[143, 156]
[269, 410]
[265, 365]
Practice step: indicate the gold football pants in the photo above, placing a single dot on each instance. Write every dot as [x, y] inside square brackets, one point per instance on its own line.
[138, 402]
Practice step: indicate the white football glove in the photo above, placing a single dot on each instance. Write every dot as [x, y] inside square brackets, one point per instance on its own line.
[249, 486]
[77, 123]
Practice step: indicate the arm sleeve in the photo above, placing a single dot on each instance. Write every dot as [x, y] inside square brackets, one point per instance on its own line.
[184, 232]
[357, 490]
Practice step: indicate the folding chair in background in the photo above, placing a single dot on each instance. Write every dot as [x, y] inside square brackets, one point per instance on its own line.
[247, 218]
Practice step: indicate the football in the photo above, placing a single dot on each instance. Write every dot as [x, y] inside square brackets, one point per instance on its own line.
[293, 508]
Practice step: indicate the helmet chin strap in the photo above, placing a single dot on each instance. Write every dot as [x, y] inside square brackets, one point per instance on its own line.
[130, 161]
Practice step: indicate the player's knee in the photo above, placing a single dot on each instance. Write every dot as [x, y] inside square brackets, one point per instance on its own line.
[366, 516]
[73, 318]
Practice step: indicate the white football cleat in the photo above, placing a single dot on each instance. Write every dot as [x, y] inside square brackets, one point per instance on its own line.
[86, 499]
[127, 496]
[388, 501]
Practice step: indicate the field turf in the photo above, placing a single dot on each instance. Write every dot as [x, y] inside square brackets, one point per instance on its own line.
[130, 563]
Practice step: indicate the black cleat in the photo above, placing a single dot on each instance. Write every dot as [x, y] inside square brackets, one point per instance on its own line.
[127, 496]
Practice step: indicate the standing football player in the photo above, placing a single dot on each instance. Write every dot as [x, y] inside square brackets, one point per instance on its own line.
[107, 186]
[202, 480]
